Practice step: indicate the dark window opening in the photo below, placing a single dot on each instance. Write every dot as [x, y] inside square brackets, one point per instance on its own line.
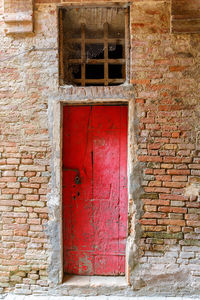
[94, 71]
[115, 71]
[93, 46]
[115, 51]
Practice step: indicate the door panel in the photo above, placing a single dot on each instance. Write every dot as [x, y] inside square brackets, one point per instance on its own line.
[95, 205]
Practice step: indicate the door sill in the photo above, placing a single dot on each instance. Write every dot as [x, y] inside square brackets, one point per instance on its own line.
[74, 285]
[95, 281]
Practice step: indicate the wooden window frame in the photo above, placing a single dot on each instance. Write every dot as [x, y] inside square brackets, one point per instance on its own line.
[124, 62]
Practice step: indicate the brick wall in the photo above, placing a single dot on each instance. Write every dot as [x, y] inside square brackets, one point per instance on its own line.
[26, 78]
[165, 77]
[165, 71]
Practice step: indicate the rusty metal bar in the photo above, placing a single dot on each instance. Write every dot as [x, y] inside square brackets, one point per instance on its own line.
[105, 27]
[97, 61]
[83, 54]
[98, 41]
[61, 48]
[117, 80]
[127, 45]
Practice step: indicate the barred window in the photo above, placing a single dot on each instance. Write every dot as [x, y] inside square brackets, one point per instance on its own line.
[93, 46]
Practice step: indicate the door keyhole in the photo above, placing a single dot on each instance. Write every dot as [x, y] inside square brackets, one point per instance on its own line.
[77, 180]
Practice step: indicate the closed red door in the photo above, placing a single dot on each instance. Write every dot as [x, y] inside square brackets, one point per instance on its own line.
[94, 189]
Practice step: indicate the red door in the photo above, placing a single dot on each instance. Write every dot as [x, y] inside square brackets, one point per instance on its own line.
[94, 189]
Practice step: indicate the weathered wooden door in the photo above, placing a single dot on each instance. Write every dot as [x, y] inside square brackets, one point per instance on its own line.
[94, 189]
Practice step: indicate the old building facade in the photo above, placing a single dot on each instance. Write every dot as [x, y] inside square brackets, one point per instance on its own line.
[161, 90]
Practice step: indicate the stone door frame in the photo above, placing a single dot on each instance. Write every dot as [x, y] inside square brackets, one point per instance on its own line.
[54, 227]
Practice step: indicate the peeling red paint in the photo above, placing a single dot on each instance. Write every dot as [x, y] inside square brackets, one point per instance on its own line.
[95, 210]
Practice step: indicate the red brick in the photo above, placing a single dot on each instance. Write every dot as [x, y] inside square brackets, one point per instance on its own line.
[148, 222]
[175, 134]
[163, 177]
[138, 100]
[140, 81]
[2, 161]
[171, 159]
[172, 209]
[32, 197]
[146, 158]
[173, 197]
[156, 202]
[26, 161]
[20, 232]
[148, 171]
[188, 229]
[156, 190]
[174, 184]
[178, 172]
[171, 222]
[154, 146]
[158, 172]
[154, 183]
[41, 209]
[161, 140]
[30, 174]
[43, 216]
[30, 185]
[176, 68]
[153, 215]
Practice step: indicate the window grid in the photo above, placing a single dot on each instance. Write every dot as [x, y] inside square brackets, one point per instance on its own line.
[83, 60]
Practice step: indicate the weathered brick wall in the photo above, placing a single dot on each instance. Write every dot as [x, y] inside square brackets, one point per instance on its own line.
[165, 76]
[26, 79]
[165, 70]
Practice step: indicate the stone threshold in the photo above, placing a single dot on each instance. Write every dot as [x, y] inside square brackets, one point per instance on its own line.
[75, 285]
[95, 281]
